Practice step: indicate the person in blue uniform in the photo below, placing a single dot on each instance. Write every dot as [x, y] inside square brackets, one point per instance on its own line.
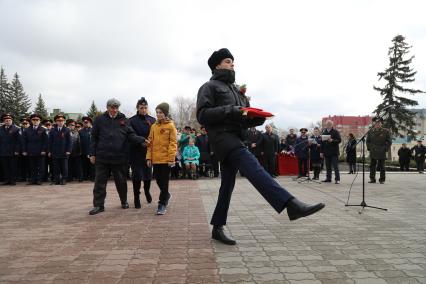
[141, 123]
[35, 143]
[23, 161]
[60, 147]
[74, 159]
[48, 164]
[301, 150]
[219, 110]
[10, 143]
[88, 168]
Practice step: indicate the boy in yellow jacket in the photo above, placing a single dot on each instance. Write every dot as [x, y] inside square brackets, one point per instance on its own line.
[161, 153]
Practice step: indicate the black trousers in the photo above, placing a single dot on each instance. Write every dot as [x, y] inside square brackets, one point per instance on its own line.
[36, 168]
[103, 171]
[380, 166]
[161, 174]
[24, 168]
[60, 169]
[303, 167]
[241, 159]
[420, 163]
[74, 168]
[9, 165]
[404, 164]
[269, 163]
[88, 169]
[215, 164]
[48, 169]
[141, 172]
[332, 162]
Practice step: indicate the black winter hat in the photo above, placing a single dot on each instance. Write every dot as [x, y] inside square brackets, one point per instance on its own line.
[218, 56]
[164, 107]
[142, 101]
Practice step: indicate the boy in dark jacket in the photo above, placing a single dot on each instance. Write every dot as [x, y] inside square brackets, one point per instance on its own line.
[60, 147]
[219, 106]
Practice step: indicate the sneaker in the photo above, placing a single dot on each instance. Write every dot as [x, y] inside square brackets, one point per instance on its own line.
[337, 182]
[161, 209]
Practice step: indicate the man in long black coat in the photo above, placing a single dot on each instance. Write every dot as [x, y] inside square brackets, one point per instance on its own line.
[10, 144]
[35, 144]
[270, 147]
[404, 157]
[219, 106]
[419, 152]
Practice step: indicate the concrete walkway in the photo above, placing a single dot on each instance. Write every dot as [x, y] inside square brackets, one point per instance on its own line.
[47, 236]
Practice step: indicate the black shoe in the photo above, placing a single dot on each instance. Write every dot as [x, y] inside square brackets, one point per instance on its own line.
[38, 183]
[337, 182]
[219, 235]
[381, 181]
[12, 183]
[96, 210]
[6, 183]
[297, 209]
[63, 182]
[326, 180]
[371, 181]
[125, 205]
[137, 201]
[31, 183]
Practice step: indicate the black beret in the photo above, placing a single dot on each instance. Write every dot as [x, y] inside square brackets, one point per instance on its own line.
[218, 56]
[34, 115]
[6, 116]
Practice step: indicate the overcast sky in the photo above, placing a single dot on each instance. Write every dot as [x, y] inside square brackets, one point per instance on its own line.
[301, 60]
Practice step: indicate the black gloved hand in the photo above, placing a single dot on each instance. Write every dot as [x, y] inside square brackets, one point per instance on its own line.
[233, 112]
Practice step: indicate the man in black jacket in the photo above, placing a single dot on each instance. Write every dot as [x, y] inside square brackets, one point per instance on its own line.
[404, 154]
[109, 152]
[419, 152]
[10, 144]
[330, 151]
[219, 109]
[270, 146]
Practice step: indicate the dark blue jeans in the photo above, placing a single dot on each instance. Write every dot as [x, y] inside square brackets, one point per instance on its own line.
[332, 162]
[244, 161]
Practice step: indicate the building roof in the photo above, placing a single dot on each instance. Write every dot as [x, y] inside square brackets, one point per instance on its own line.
[349, 120]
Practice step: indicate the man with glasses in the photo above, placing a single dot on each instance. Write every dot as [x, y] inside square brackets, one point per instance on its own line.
[141, 123]
[9, 148]
[35, 143]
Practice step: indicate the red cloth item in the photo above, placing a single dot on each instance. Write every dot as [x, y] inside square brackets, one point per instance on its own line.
[256, 112]
[287, 165]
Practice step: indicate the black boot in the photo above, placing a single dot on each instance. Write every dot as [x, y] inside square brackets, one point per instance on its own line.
[146, 187]
[297, 209]
[219, 235]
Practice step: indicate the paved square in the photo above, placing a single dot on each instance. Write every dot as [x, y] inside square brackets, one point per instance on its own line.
[47, 236]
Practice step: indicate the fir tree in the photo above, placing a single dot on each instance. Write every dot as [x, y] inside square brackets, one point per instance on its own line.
[4, 91]
[93, 111]
[18, 102]
[397, 118]
[40, 107]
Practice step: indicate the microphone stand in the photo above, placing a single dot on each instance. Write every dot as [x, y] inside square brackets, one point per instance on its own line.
[308, 178]
[363, 203]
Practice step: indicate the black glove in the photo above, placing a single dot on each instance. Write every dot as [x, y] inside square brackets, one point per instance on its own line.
[253, 121]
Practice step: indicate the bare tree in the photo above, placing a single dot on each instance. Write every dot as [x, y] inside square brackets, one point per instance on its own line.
[184, 112]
